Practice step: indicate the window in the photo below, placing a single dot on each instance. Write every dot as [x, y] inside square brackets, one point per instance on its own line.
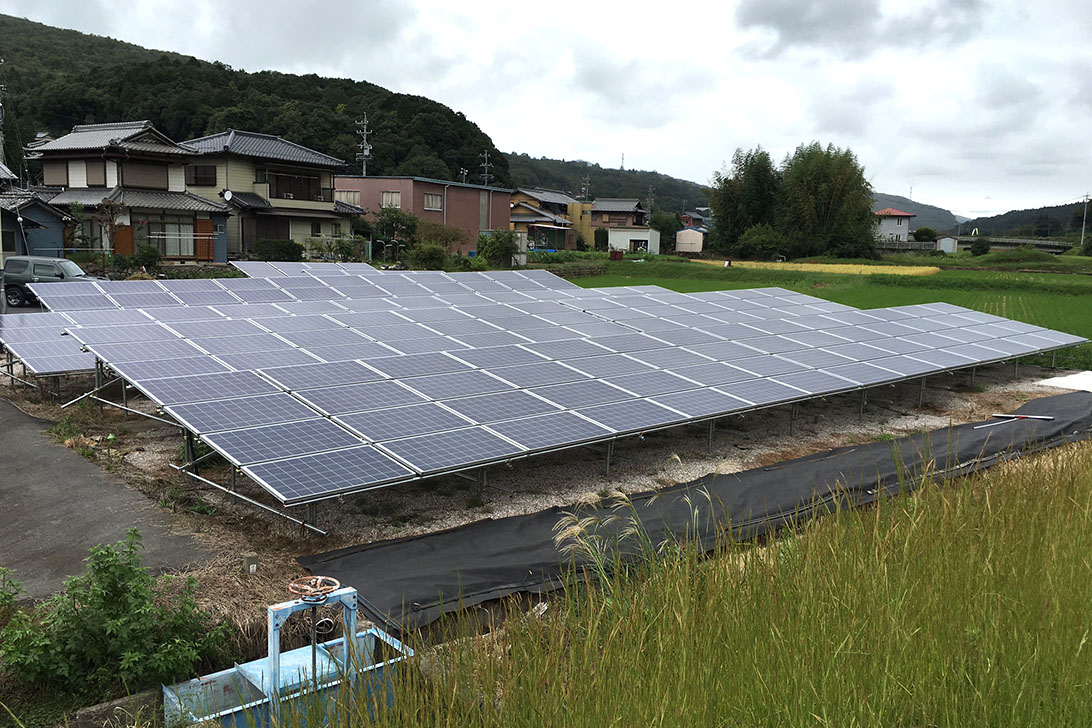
[70, 269]
[294, 187]
[316, 229]
[336, 229]
[260, 177]
[899, 222]
[13, 266]
[433, 202]
[172, 235]
[391, 198]
[43, 269]
[201, 175]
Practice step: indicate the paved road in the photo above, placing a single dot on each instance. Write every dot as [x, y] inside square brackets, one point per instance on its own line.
[56, 505]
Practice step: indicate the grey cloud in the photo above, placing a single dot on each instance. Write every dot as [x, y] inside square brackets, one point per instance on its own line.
[633, 92]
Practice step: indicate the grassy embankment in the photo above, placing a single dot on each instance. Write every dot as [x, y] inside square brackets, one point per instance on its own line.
[961, 605]
[1056, 300]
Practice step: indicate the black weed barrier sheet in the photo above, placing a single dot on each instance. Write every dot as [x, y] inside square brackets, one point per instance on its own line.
[410, 582]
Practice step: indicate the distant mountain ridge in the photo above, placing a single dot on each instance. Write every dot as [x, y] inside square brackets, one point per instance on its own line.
[1038, 222]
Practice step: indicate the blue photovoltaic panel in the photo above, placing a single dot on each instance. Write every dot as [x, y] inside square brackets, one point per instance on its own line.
[451, 450]
[186, 366]
[274, 442]
[670, 358]
[701, 402]
[145, 350]
[813, 382]
[632, 416]
[60, 364]
[28, 334]
[76, 302]
[215, 328]
[313, 376]
[145, 300]
[174, 314]
[325, 337]
[582, 394]
[264, 359]
[284, 324]
[761, 392]
[609, 365]
[205, 298]
[264, 295]
[122, 333]
[864, 373]
[399, 422]
[241, 344]
[713, 373]
[499, 338]
[237, 414]
[107, 317]
[567, 349]
[61, 346]
[457, 384]
[414, 365]
[312, 477]
[348, 398]
[765, 366]
[656, 381]
[485, 408]
[420, 346]
[549, 430]
[204, 387]
[539, 374]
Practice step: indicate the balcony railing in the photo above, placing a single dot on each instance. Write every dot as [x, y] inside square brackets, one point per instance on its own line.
[324, 195]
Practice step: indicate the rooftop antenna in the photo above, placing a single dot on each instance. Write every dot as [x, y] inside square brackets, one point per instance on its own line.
[365, 152]
[486, 177]
[463, 171]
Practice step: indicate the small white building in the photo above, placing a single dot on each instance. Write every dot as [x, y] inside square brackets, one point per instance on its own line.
[634, 239]
[894, 224]
[690, 240]
[947, 243]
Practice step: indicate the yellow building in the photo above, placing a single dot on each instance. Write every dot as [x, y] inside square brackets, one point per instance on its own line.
[551, 219]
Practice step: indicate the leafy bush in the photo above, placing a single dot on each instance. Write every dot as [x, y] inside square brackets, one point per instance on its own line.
[980, 246]
[498, 247]
[10, 589]
[925, 234]
[1022, 254]
[280, 250]
[147, 256]
[761, 242]
[427, 257]
[121, 263]
[109, 626]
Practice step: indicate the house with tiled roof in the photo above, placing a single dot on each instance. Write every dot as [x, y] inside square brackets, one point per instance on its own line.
[29, 225]
[611, 212]
[277, 189]
[551, 219]
[894, 224]
[140, 173]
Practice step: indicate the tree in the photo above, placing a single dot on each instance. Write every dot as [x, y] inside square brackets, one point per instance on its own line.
[743, 197]
[761, 242]
[825, 204]
[444, 236]
[980, 246]
[667, 224]
[498, 247]
[925, 234]
[394, 225]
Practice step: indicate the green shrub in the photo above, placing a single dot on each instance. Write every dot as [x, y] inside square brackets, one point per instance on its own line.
[147, 256]
[761, 242]
[110, 627]
[498, 248]
[427, 257]
[980, 246]
[287, 251]
[1022, 254]
[121, 263]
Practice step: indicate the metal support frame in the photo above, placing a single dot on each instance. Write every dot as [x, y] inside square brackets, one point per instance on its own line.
[793, 412]
[973, 370]
[864, 401]
[191, 452]
[610, 452]
[712, 432]
[251, 501]
[1054, 359]
[480, 478]
[278, 614]
[9, 366]
[921, 393]
[1015, 368]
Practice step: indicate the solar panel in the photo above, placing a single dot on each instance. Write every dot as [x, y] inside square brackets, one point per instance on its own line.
[704, 402]
[28, 334]
[274, 442]
[427, 346]
[539, 374]
[906, 366]
[457, 384]
[549, 430]
[581, 394]
[485, 408]
[75, 302]
[122, 333]
[171, 315]
[107, 317]
[236, 414]
[205, 298]
[59, 364]
[399, 422]
[632, 416]
[241, 344]
[816, 358]
[312, 477]
[145, 350]
[145, 300]
[185, 366]
[347, 398]
[813, 382]
[761, 392]
[415, 365]
[655, 381]
[264, 295]
[608, 365]
[264, 359]
[451, 450]
[204, 387]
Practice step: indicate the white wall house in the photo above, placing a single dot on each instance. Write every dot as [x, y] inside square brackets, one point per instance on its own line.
[634, 239]
[894, 224]
[690, 240]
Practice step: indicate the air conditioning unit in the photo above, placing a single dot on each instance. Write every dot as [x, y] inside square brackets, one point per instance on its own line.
[289, 196]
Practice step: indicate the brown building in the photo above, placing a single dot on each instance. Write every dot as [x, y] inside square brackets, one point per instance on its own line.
[612, 212]
[472, 208]
[546, 217]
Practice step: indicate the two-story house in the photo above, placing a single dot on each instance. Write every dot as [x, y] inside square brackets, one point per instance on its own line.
[546, 217]
[611, 212]
[474, 209]
[894, 225]
[277, 189]
[137, 174]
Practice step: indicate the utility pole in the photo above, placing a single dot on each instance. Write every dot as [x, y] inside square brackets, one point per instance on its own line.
[585, 188]
[486, 177]
[1084, 220]
[651, 198]
[3, 88]
[463, 171]
[365, 153]
[623, 161]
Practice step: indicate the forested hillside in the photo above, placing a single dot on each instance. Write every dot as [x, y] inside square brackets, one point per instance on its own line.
[1040, 222]
[670, 193]
[57, 78]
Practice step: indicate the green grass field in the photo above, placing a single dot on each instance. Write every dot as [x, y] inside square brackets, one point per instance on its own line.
[964, 605]
[1059, 301]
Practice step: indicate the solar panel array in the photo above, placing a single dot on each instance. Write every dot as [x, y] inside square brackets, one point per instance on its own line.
[422, 373]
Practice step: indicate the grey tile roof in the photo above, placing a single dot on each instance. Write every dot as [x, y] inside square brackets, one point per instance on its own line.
[156, 199]
[348, 208]
[429, 180]
[120, 134]
[525, 212]
[6, 173]
[616, 204]
[16, 200]
[166, 200]
[250, 201]
[262, 146]
[549, 196]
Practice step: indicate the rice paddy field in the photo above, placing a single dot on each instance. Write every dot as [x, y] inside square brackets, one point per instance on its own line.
[842, 268]
[1060, 301]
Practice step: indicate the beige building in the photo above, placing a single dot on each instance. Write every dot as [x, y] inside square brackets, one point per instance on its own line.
[277, 189]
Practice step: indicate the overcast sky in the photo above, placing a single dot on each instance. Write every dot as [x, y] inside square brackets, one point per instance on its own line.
[979, 107]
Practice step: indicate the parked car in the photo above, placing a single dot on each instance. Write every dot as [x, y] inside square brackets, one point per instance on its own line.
[19, 270]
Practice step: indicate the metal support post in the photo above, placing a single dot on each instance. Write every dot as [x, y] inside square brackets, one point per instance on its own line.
[191, 453]
[1053, 360]
[1015, 368]
[864, 401]
[312, 512]
[921, 393]
[610, 451]
[98, 378]
[712, 431]
[233, 469]
[973, 370]
[792, 419]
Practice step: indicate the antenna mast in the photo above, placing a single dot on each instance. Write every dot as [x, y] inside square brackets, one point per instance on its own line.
[365, 152]
[486, 177]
